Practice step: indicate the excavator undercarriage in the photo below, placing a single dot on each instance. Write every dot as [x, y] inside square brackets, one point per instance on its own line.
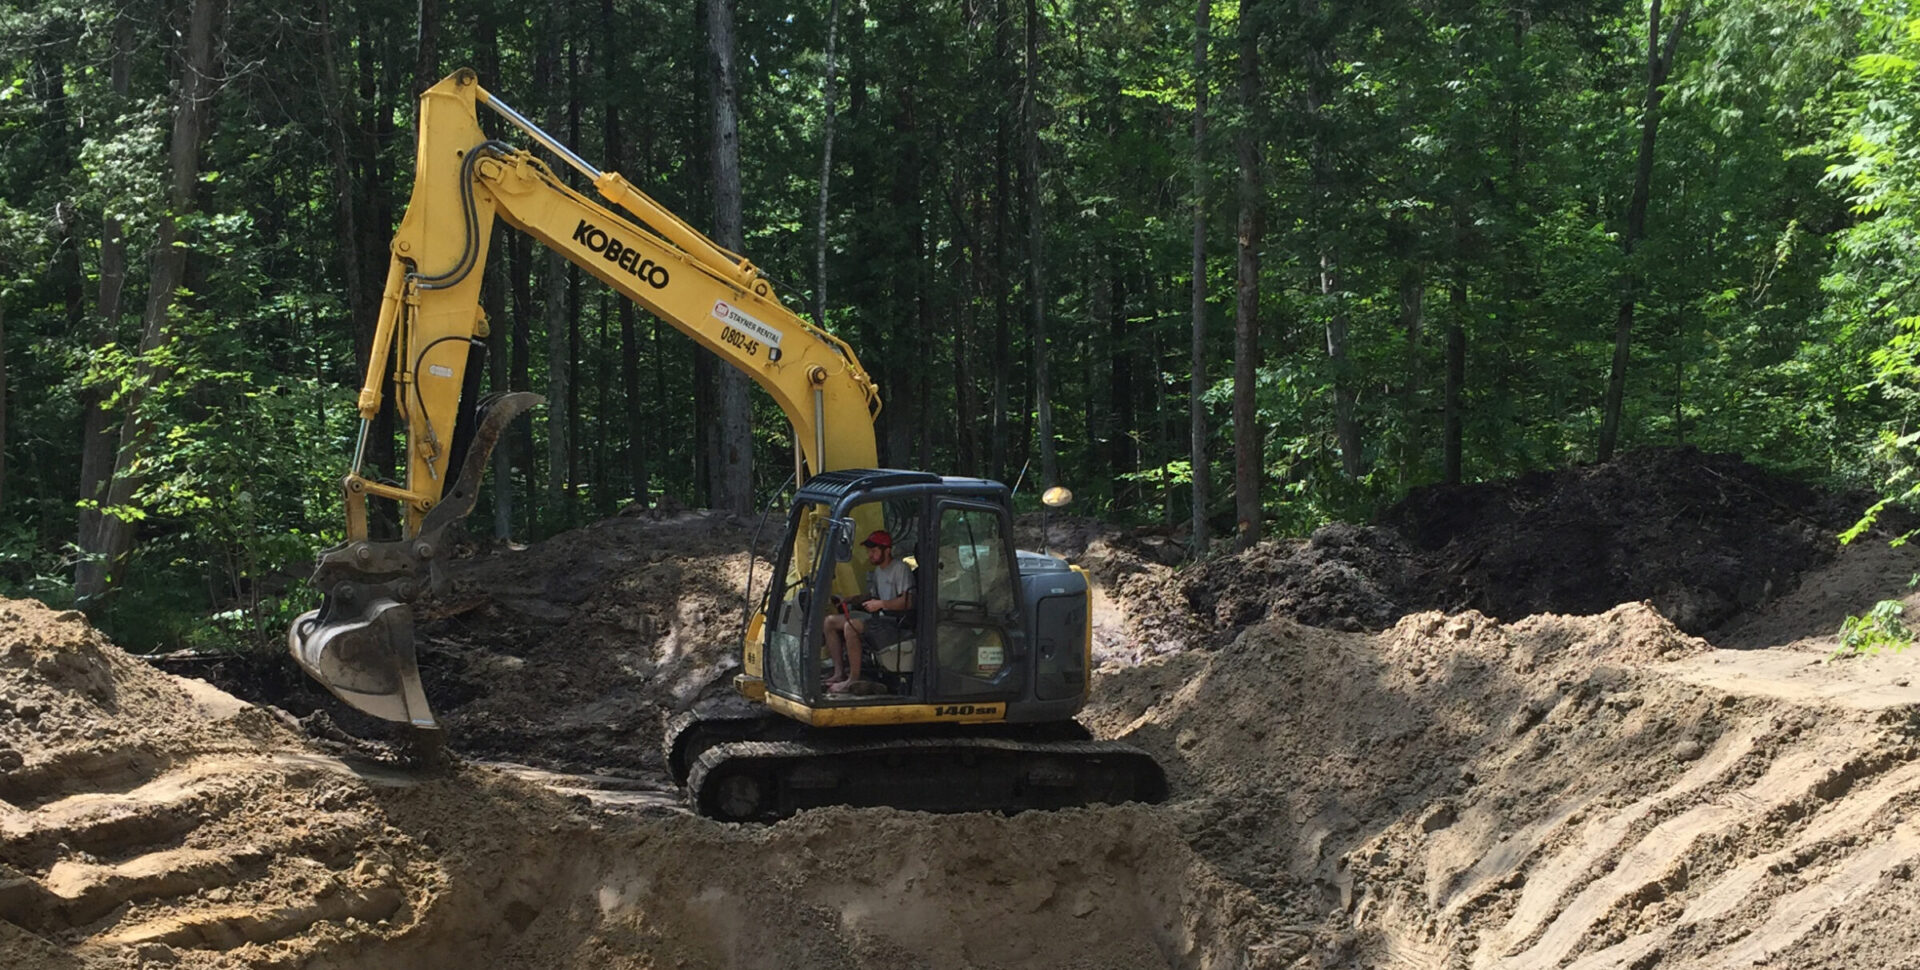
[742, 766]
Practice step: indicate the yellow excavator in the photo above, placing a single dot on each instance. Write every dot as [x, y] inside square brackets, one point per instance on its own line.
[966, 700]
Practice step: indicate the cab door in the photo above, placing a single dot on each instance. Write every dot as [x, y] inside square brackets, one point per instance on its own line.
[978, 639]
[796, 602]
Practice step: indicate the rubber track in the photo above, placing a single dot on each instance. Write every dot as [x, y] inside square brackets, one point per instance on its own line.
[940, 774]
[694, 731]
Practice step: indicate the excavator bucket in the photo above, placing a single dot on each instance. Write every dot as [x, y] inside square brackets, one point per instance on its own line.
[365, 658]
[359, 643]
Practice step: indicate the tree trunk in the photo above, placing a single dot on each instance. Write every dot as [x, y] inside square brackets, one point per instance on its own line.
[1123, 455]
[96, 436]
[1413, 290]
[493, 299]
[1248, 450]
[520, 288]
[493, 296]
[1346, 426]
[1453, 418]
[554, 286]
[966, 401]
[357, 126]
[1321, 164]
[190, 122]
[3, 405]
[1036, 288]
[380, 98]
[732, 462]
[1201, 471]
[426, 56]
[1102, 437]
[576, 308]
[1166, 428]
[901, 336]
[827, 95]
[1006, 76]
[1002, 310]
[1659, 65]
[604, 496]
[637, 445]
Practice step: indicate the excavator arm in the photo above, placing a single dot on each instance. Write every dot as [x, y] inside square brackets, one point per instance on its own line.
[360, 642]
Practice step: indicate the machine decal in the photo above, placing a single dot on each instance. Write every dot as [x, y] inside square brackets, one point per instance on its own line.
[989, 660]
[735, 338]
[620, 254]
[751, 327]
[963, 710]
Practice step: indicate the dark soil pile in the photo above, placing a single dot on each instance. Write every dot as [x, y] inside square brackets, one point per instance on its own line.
[564, 654]
[1699, 536]
[567, 654]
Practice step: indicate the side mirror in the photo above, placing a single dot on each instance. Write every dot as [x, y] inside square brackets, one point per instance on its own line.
[843, 540]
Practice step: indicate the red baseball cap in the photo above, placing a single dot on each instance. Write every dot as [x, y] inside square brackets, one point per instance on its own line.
[879, 537]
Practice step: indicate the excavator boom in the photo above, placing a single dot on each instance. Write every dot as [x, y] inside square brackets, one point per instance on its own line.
[428, 342]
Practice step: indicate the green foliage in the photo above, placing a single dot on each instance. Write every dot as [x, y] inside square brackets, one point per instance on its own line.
[29, 568]
[1882, 628]
[1871, 284]
[1461, 165]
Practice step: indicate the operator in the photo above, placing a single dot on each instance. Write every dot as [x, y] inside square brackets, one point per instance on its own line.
[889, 589]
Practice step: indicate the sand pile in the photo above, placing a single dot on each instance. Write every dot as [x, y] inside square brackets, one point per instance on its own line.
[141, 814]
[1356, 782]
[152, 820]
[1601, 791]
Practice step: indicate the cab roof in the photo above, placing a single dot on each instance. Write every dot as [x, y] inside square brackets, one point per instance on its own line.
[830, 487]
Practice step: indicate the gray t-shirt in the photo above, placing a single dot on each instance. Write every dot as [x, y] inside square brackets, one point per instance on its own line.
[890, 580]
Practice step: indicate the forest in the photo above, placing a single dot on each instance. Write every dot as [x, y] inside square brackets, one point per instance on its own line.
[1234, 269]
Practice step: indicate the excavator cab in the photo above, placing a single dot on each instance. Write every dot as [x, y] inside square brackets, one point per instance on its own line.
[963, 653]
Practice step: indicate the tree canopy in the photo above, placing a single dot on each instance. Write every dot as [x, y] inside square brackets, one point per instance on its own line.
[1440, 240]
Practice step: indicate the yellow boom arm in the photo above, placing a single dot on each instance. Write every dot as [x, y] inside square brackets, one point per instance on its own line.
[430, 310]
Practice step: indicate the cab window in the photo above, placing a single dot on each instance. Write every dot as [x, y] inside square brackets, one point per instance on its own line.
[976, 607]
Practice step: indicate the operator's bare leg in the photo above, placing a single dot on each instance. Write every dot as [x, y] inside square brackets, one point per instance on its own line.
[852, 634]
[836, 649]
[847, 646]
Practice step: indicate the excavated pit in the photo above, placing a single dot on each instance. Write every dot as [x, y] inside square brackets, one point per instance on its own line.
[1359, 779]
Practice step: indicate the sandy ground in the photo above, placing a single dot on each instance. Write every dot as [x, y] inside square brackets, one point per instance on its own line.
[1443, 789]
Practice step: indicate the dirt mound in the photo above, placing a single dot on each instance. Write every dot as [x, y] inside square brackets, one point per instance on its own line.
[141, 814]
[1703, 537]
[567, 653]
[147, 820]
[1601, 791]
[75, 710]
[1344, 577]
